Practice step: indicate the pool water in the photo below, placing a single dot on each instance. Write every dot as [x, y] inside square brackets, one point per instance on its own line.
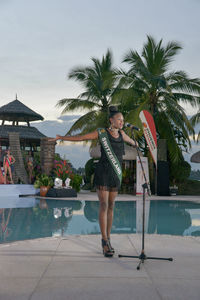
[45, 218]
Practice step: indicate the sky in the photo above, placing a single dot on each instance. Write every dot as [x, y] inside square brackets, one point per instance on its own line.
[42, 40]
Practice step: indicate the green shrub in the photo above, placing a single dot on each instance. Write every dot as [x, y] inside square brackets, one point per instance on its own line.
[179, 172]
[76, 181]
[189, 187]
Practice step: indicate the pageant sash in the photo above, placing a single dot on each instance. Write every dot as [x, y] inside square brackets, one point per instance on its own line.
[112, 158]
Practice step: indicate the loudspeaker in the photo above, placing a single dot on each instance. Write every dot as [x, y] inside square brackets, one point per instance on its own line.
[163, 178]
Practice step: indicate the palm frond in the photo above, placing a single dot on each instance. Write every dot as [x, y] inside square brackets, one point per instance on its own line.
[82, 123]
[166, 131]
[195, 119]
[74, 104]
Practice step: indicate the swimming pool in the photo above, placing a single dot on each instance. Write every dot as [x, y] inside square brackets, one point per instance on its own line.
[31, 218]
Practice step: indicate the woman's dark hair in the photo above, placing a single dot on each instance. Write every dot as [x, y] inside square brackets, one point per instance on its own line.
[113, 110]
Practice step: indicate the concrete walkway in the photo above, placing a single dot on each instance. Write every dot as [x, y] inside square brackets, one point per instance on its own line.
[74, 268]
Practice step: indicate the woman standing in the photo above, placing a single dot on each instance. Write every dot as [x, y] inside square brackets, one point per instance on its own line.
[108, 172]
[30, 166]
[7, 162]
[1, 164]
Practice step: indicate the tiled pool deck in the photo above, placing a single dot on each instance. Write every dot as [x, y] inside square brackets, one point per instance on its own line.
[73, 267]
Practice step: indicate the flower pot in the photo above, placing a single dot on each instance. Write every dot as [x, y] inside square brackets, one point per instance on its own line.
[44, 190]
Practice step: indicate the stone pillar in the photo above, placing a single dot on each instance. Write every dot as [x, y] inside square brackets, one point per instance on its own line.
[47, 154]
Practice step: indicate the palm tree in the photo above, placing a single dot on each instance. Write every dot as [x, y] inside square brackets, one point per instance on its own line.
[98, 82]
[149, 84]
[195, 119]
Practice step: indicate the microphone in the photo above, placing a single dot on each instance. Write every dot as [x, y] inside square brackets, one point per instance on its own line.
[131, 126]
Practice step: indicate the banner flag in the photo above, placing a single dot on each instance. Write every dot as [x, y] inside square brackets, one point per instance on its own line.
[149, 130]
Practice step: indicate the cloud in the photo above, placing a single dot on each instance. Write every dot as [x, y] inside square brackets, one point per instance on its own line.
[69, 117]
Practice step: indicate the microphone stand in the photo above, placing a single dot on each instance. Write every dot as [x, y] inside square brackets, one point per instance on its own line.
[142, 257]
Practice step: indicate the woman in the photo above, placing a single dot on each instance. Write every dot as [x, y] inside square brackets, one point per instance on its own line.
[1, 173]
[30, 166]
[7, 162]
[108, 171]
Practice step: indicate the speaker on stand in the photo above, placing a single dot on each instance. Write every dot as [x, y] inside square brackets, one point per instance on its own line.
[162, 169]
[163, 178]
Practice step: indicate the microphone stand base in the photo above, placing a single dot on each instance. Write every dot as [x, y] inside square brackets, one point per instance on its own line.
[142, 257]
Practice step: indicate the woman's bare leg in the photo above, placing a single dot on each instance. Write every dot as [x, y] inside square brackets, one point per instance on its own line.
[5, 173]
[111, 204]
[10, 174]
[103, 209]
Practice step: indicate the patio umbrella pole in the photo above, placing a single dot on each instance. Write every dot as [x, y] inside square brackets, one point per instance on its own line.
[142, 257]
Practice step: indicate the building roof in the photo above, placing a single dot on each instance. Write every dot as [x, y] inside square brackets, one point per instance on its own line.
[17, 111]
[195, 157]
[130, 152]
[25, 132]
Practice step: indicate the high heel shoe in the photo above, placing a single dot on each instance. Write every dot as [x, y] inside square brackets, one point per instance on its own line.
[106, 248]
[111, 248]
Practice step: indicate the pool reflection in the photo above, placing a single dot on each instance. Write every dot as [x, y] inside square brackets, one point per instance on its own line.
[124, 215]
[43, 220]
[60, 218]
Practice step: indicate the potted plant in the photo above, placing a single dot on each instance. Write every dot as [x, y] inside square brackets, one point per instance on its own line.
[44, 183]
[62, 170]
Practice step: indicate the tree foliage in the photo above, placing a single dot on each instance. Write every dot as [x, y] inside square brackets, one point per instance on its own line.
[98, 82]
[149, 84]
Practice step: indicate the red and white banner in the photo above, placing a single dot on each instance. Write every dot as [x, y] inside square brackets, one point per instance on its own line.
[149, 130]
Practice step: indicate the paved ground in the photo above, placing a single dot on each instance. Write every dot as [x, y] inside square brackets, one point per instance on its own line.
[74, 268]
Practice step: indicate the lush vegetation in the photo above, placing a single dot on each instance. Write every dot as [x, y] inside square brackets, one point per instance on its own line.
[99, 84]
[148, 83]
[189, 187]
[63, 170]
[195, 175]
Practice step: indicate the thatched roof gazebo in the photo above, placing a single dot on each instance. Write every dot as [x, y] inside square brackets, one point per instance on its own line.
[16, 112]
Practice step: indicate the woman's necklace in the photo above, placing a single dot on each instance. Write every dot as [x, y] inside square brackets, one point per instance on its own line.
[114, 131]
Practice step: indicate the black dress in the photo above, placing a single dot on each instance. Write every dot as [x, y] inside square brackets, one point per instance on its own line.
[105, 177]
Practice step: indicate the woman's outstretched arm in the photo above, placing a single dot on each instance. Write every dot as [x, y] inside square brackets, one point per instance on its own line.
[127, 139]
[77, 138]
